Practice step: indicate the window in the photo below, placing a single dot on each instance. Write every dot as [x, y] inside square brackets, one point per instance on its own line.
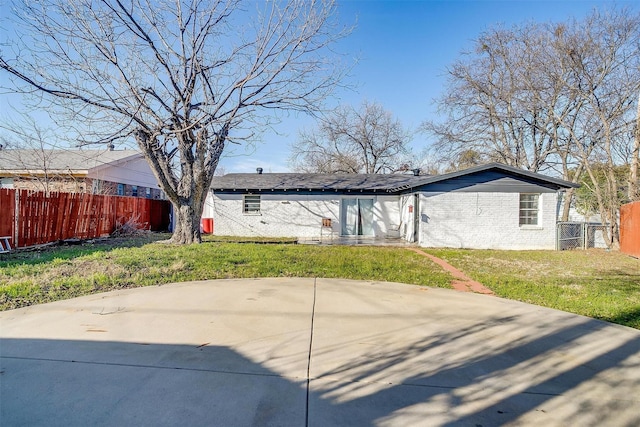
[96, 186]
[134, 190]
[529, 209]
[6, 183]
[120, 189]
[251, 204]
[148, 192]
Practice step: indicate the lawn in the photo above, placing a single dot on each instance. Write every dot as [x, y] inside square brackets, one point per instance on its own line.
[595, 283]
[36, 277]
[599, 284]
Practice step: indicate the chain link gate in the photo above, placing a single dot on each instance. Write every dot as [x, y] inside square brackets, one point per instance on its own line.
[579, 235]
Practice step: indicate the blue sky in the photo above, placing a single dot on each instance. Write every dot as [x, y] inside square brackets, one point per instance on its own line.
[403, 48]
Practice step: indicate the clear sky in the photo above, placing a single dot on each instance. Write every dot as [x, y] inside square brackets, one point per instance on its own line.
[403, 48]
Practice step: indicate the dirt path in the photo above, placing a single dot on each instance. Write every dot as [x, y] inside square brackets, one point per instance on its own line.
[461, 281]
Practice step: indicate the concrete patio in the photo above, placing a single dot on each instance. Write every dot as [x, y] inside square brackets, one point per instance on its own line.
[316, 352]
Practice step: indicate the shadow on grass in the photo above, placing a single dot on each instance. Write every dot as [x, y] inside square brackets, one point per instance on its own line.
[629, 318]
[32, 256]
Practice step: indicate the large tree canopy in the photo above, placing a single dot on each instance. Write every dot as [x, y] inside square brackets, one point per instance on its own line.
[182, 78]
[551, 97]
[350, 140]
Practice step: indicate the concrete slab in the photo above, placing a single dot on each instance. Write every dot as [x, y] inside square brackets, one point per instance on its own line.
[237, 353]
[207, 353]
[391, 354]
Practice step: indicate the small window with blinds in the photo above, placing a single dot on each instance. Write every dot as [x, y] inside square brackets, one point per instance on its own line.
[251, 204]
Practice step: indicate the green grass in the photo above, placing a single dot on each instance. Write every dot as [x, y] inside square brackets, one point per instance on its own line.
[37, 277]
[599, 284]
[595, 283]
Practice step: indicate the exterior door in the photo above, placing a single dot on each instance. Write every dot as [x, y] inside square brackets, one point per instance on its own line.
[357, 217]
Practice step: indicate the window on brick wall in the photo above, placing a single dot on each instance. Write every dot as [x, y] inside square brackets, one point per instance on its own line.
[97, 186]
[529, 208]
[251, 204]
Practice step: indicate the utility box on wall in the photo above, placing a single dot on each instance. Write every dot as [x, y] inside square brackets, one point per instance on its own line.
[207, 225]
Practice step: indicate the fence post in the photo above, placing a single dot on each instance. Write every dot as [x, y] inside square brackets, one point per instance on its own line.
[16, 216]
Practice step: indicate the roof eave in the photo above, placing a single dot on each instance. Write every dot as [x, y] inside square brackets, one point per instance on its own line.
[561, 183]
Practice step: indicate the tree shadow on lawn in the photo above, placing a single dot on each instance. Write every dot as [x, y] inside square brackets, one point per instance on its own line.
[71, 251]
[629, 318]
[438, 380]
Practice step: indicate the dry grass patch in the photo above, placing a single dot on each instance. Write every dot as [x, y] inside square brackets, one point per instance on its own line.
[596, 283]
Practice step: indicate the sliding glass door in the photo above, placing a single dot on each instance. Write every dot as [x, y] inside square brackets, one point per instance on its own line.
[357, 217]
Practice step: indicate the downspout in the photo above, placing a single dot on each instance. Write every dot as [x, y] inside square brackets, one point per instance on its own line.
[416, 218]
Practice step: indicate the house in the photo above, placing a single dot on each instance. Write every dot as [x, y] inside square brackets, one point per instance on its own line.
[489, 206]
[114, 172]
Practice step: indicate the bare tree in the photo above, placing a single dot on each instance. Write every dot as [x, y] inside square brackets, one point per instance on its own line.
[600, 57]
[27, 147]
[634, 166]
[368, 140]
[497, 101]
[182, 78]
[551, 96]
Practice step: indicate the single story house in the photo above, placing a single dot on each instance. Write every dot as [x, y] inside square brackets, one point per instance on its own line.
[111, 172]
[492, 206]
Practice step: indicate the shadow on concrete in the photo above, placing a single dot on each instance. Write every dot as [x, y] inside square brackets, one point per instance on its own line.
[82, 383]
[568, 376]
[554, 378]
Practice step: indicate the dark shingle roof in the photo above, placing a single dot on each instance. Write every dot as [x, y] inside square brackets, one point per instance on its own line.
[392, 183]
[509, 170]
[312, 181]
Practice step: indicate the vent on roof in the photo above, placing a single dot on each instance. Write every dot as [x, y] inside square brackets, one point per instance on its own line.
[259, 170]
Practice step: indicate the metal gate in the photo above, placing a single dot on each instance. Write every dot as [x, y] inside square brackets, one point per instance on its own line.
[580, 235]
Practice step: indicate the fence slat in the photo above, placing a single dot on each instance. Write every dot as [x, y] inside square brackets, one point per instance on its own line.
[630, 229]
[39, 218]
[7, 217]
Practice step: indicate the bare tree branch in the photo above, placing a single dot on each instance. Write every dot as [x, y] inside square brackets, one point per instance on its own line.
[368, 140]
[182, 77]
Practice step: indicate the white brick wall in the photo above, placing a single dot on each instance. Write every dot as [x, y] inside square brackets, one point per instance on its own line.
[292, 215]
[457, 219]
[484, 221]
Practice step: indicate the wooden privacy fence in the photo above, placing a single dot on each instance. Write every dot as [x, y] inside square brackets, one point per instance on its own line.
[33, 217]
[630, 229]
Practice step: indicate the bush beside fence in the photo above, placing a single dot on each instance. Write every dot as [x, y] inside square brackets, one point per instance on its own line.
[33, 217]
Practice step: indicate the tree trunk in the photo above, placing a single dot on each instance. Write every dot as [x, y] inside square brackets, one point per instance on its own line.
[566, 205]
[633, 190]
[187, 193]
[186, 222]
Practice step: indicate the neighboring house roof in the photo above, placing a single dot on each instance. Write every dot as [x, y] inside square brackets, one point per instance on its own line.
[391, 183]
[69, 162]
